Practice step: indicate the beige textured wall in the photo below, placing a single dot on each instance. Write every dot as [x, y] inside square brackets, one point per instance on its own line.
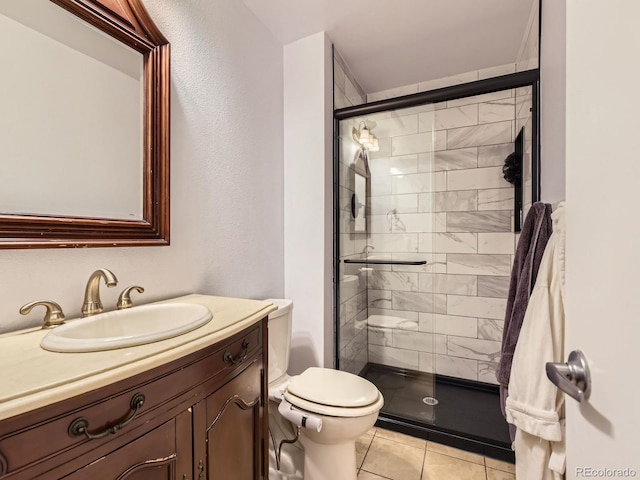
[226, 184]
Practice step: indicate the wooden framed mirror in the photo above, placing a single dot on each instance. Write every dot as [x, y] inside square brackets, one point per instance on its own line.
[67, 200]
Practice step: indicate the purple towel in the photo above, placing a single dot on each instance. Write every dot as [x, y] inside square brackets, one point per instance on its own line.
[534, 236]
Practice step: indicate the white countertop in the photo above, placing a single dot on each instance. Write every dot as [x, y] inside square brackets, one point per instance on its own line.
[31, 377]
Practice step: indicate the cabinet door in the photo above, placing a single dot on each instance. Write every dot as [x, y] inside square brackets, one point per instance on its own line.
[234, 430]
[162, 454]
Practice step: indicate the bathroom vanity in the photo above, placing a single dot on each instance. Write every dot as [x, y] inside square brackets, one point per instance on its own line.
[189, 407]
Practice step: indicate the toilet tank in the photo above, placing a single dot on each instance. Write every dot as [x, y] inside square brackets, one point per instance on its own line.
[279, 338]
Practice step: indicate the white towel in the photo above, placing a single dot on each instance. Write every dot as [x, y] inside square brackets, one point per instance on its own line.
[535, 405]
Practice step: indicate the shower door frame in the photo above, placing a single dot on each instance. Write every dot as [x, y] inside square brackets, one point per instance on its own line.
[528, 78]
[514, 80]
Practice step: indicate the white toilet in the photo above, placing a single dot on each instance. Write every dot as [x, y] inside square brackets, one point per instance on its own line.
[333, 409]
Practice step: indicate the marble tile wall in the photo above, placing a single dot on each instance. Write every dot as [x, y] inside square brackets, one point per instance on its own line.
[438, 194]
[346, 89]
[524, 120]
[352, 284]
[352, 281]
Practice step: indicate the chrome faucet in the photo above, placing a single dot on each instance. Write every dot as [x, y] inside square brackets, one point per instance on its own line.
[92, 303]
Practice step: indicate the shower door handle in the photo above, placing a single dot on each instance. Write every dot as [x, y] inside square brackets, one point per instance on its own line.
[573, 377]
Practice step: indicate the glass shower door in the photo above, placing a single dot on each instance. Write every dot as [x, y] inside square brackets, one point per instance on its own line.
[386, 296]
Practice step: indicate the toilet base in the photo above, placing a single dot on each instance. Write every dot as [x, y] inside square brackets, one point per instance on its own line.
[331, 453]
[292, 456]
[288, 469]
[329, 462]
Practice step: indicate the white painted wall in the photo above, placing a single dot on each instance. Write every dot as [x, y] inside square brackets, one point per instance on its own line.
[527, 58]
[553, 100]
[308, 203]
[602, 302]
[226, 177]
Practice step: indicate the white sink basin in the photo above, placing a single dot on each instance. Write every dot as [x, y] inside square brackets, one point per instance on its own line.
[126, 328]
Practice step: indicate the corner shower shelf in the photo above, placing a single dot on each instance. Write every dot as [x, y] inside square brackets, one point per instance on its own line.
[364, 261]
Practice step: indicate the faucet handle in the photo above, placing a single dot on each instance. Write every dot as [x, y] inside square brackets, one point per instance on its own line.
[53, 316]
[367, 249]
[124, 300]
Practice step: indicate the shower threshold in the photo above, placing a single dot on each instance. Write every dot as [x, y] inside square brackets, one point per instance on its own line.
[466, 414]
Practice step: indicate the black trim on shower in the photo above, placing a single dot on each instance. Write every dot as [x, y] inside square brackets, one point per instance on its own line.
[539, 33]
[530, 78]
[535, 149]
[479, 87]
[489, 85]
[336, 221]
[336, 246]
[366, 261]
[518, 212]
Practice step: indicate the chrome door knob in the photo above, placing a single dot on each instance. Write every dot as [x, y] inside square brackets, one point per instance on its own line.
[573, 377]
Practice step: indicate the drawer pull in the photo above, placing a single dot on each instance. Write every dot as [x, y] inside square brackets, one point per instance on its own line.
[80, 426]
[229, 358]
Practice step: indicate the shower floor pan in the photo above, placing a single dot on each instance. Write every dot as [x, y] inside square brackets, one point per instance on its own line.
[466, 414]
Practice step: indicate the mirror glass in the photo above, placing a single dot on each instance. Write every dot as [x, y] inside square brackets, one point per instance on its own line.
[359, 175]
[359, 204]
[69, 148]
[84, 128]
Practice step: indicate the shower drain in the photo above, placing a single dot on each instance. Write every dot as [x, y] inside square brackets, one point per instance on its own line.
[430, 401]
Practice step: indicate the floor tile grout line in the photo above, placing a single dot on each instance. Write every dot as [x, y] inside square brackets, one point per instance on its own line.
[367, 452]
[425, 450]
[400, 441]
[376, 474]
[500, 468]
[375, 434]
[484, 459]
[364, 457]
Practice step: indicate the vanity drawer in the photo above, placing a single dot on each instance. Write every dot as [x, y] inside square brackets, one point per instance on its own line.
[56, 435]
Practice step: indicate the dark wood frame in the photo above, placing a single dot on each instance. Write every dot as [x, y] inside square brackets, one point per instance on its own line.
[128, 22]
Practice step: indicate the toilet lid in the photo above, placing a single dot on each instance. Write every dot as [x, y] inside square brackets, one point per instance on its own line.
[334, 388]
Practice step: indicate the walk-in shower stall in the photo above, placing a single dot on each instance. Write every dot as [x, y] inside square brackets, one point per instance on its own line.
[425, 238]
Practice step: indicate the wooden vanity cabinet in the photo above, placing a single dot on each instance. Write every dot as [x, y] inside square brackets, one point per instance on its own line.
[203, 417]
[156, 455]
[226, 424]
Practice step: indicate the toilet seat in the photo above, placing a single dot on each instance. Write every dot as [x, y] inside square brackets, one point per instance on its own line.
[334, 393]
[319, 409]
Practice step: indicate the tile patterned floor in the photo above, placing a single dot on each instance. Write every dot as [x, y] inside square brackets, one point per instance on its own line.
[385, 455]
